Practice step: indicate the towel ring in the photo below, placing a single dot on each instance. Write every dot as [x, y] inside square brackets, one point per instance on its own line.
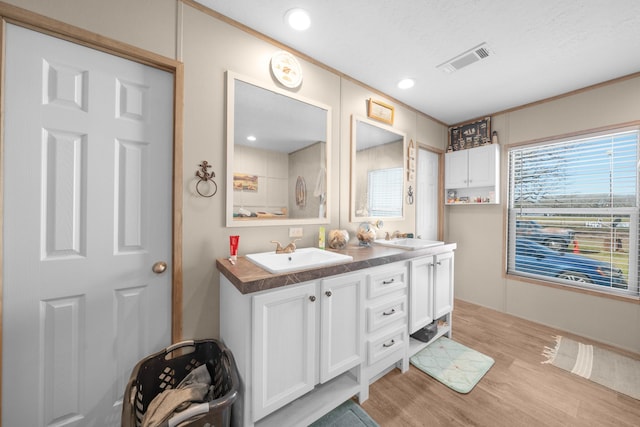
[410, 195]
[204, 176]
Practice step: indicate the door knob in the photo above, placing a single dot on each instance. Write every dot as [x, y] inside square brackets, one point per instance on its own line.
[159, 267]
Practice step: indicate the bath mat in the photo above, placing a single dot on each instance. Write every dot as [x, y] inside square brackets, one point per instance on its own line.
[607, 368]
[349, 414]
[454, 365]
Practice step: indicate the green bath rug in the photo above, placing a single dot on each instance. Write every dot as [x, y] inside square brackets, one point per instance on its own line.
[454, 365]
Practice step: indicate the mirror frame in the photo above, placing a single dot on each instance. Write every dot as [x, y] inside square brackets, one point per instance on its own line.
[231, 78]
[352, 196]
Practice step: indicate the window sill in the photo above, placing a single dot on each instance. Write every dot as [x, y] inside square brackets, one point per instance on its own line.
[633, 299]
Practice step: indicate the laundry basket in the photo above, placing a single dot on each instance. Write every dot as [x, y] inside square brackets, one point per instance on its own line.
[167, 368]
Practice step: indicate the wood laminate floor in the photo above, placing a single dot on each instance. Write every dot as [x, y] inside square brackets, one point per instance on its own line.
[517, 391]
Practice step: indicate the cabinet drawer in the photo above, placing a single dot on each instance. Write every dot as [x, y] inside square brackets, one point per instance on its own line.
[386, 312]
[386, 281]
[385, 345]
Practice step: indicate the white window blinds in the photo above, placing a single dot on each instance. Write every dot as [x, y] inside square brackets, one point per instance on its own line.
[573, 211]
[385, 192]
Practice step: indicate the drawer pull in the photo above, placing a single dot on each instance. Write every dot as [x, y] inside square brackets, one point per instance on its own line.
[388, 282]
[389, 344]
[389, 313]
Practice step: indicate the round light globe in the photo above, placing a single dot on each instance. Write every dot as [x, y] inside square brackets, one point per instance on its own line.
[298, 19]
[406, 83]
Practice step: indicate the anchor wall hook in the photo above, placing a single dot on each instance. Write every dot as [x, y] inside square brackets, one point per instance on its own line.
[204, 176]
[410, 195]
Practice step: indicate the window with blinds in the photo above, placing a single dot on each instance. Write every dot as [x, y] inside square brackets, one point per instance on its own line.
[573, 211]
[385, 192]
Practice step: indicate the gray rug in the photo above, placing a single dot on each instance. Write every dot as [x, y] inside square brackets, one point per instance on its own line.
[349, 414]
[607, 368]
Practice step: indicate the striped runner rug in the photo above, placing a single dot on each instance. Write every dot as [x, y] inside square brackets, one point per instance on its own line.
[607, 368]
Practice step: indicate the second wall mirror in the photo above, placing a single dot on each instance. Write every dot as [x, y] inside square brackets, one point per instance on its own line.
[377, 171]
[278, 146]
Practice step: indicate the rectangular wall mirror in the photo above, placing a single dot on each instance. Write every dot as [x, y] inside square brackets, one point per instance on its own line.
[377, 171]
[278, 144]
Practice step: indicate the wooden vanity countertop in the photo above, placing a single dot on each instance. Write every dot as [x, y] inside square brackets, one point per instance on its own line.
[248, 277]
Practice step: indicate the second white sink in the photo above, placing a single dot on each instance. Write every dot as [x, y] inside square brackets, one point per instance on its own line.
[301, 259]
[408, 243]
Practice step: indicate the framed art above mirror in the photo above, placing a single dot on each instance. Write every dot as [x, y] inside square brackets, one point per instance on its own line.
[377, 171]
[278, 146]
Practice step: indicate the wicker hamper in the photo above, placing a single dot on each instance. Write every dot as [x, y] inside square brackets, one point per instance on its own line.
[165, 369]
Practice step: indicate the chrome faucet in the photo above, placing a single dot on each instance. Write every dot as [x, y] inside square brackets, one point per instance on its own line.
[393, 235]
[397, 234]
[290, 248]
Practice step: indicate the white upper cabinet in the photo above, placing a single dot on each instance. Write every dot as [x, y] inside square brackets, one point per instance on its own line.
[473, 176]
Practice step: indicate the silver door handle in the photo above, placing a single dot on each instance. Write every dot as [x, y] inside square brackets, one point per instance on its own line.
[159, 267]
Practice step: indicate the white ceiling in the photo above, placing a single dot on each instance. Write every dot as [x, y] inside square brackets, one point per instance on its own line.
[540, 49]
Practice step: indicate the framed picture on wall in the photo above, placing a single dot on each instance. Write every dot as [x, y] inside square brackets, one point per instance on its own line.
[469, 135]
[245, 182]
[380, 111]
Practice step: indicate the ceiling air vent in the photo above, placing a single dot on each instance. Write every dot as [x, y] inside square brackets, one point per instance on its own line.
[475, 54]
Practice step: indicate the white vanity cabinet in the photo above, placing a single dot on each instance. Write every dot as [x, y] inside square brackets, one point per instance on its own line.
[304, 348]
[295, 347]
[386, 318]
[473, 175]
[285, 343]
[430, 295]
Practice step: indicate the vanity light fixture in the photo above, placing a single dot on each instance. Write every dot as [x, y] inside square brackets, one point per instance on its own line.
[298, 19]
[406, 83]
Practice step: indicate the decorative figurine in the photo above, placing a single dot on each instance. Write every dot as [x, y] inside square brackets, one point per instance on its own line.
[338, 239]
[366, 234]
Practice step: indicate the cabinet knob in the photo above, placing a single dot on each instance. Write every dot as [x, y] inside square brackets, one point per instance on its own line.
[431, 264]
[328, 293]
[312, 298]
[439, 262]
[389, 344]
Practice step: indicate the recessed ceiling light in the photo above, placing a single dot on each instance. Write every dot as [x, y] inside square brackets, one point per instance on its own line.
[251, 138]
[406, 83]
[298, 19]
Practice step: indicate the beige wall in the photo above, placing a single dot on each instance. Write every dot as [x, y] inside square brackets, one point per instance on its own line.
[146, 24]
[208, 47]
[479, 230]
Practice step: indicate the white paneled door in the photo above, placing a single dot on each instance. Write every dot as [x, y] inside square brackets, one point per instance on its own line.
[87, 181]
[427, 194]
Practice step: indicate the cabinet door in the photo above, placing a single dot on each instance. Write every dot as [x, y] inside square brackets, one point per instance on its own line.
[421, 293]
[284, 342]
[456, 169]
[342, 324]
[482, 166]
[443, 285]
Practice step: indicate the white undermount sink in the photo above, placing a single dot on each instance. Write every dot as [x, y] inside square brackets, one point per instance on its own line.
[301, 259]
[408, 243]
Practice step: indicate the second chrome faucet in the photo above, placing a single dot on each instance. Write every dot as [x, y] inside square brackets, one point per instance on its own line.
[290, 248]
